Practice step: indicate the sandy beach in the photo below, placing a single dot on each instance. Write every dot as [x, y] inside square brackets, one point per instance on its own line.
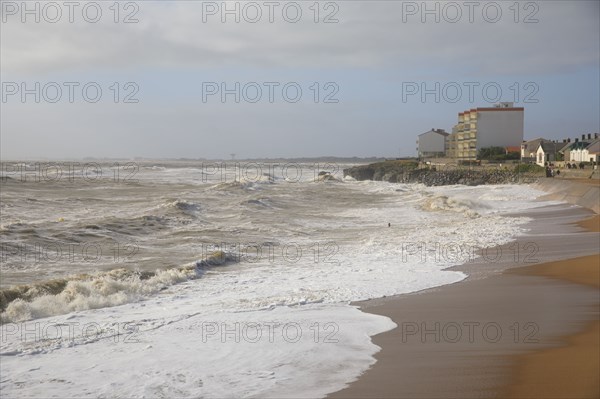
[570, 370]
[512, 329]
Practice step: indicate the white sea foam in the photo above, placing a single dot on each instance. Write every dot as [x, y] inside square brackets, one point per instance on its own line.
[94, 292]
[304, 351]
[349, 254]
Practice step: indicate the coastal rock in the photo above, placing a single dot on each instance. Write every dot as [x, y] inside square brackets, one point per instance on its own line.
[409, 172]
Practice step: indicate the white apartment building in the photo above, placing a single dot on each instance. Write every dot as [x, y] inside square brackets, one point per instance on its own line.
[498, 126]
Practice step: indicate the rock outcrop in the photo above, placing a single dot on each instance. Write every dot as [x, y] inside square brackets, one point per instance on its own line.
[409, 172]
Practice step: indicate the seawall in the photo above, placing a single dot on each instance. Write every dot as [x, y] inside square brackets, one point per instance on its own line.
[586, 195]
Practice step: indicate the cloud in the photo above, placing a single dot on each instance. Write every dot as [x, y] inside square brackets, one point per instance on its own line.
[368, 35]
[170, 52]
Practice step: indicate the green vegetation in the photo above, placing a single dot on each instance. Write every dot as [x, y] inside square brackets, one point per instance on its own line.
[497, 154]
[465, 162]
[386, 170]
[528, 168]
[394, 164]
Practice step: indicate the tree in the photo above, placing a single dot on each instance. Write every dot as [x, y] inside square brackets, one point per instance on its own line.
[491, 153]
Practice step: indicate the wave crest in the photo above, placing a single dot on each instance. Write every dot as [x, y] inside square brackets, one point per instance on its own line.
[104, 289]
[444, 203]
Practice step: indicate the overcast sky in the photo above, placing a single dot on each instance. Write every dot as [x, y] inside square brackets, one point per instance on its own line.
[360, 66]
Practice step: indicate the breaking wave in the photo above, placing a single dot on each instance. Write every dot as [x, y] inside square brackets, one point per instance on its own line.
[260, 202]
[444, 203]
[326, 177]
[94, 291]
[189, 208]
[234, 185]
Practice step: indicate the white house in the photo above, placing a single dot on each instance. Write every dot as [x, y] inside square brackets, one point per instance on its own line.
[547, 152]
[586, 151]
[529, 148]
[578, 151]
[593, 151]
[432, 143]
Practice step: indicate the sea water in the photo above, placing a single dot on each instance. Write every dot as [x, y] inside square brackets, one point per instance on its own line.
[179, 279]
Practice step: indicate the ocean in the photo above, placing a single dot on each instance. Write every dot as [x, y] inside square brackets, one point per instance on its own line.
[219, 279]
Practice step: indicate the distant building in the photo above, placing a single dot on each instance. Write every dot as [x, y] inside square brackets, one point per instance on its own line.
[529, 149]
[547, 152]
[511, 149]
[566, 150]
[498, 126]
[593, 151]
[577, 151]
[584, 151]
[432, 143]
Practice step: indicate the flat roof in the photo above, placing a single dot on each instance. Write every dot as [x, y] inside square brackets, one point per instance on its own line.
[443, 133]
[501, 109]
[491, 109]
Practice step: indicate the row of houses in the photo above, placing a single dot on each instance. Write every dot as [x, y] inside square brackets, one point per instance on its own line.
[542, 151]
[502, 126]
[498, 126]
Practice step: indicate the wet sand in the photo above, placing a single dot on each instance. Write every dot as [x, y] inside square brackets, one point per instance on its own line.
[591, 224]
[503, 332]
[572, 370]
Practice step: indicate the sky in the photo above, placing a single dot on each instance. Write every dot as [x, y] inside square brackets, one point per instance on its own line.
[269, 79]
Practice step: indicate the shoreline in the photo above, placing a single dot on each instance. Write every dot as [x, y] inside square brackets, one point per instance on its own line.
[515, 296]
